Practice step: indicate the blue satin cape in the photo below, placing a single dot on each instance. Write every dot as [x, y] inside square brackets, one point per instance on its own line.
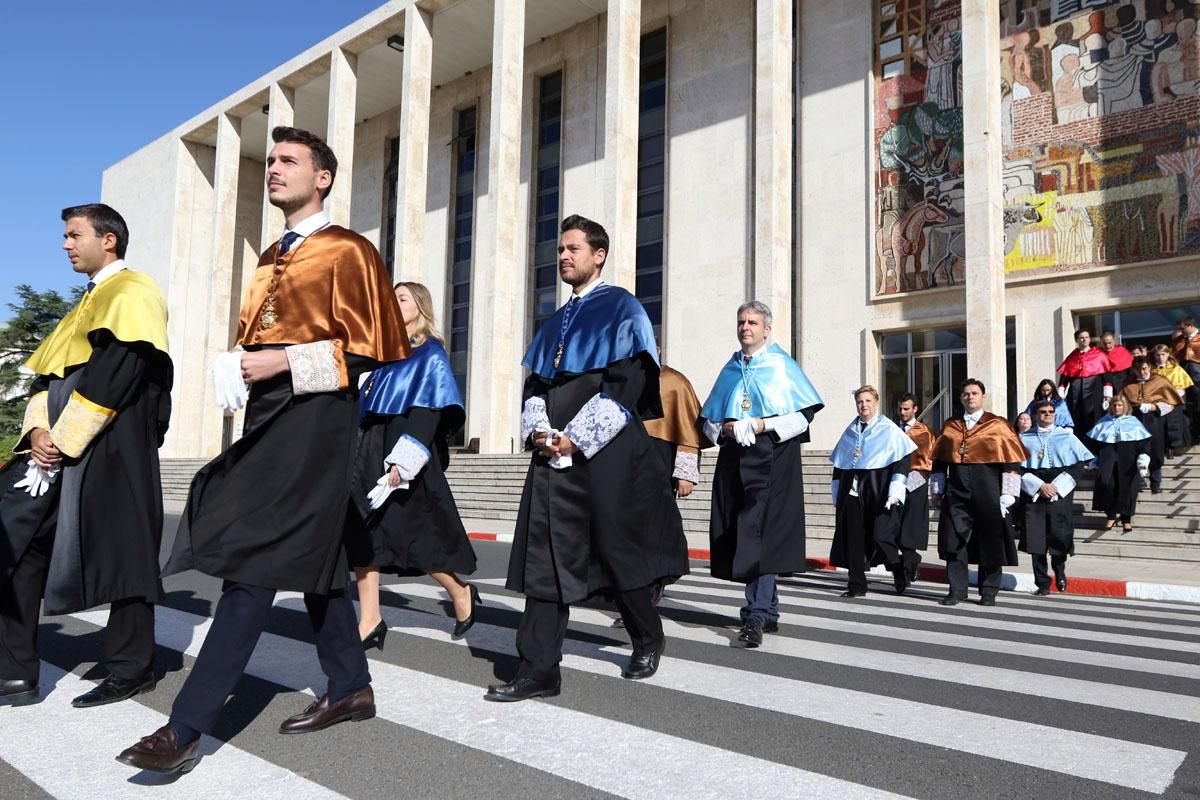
[422, 380]
[609, 325]
[1111, 430]
[881, 444]
[1062, 415]
[777, 386]
[1063, 449]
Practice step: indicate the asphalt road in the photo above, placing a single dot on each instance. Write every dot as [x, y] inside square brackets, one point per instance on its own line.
[1063, 697]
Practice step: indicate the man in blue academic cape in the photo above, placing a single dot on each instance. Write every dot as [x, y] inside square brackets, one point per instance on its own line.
[594, 511]
[1056, 462]
[758, 412]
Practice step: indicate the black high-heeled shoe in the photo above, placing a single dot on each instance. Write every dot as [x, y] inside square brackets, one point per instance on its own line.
[464, 625]
[375, 637]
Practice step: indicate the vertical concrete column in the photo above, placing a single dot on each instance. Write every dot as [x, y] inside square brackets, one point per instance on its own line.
[282, 111]
[415, 89]
[339, 133]
[498, 279]
[216, 333]
[773, 163]
[984, 199]
[622, 71]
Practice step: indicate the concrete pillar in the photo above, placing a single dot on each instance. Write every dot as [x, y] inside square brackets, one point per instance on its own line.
[773, 163]
[622, 71]
[216, 333]
[984, 199]
[498, 279]
[415, 89]
[282, 111]
[339, 131]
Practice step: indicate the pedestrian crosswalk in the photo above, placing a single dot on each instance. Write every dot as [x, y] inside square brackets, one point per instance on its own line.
[885, 697]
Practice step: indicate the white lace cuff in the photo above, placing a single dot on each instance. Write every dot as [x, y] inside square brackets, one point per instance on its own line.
[687, 466]
[1064, 483]
[915, 480]
[315, 367]
[409, 457]
[786, 426]
[597, 424]
[1010, 484]
[1031, 484]
[534, 418]
[712, 430]
[1164, 408]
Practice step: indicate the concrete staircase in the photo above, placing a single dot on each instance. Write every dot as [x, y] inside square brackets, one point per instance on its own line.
[488, 489]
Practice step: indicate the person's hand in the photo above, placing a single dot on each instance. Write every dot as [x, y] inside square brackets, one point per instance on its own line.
[563, 446]
[727, 429]
[1062, 392]
[393, 476]
[683, 488]
[541, 443]
[43, 452]
[1048, 490]
[262, 365]
[1146, 407]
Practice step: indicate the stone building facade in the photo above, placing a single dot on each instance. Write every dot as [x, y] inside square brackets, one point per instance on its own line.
[921, 189]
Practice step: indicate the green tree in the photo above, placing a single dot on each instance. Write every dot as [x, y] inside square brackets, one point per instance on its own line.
[34, 317]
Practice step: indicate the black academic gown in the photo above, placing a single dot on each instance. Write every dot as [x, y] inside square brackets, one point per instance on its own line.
[603, 523]
[970, 512]
[865, 516]
[1085, 400]
[757, 519]
[1156, 423]
[418, 529]
[105, 507]
[663, 453]
[271, 510]
[1117, 477]
[1048, 527]
[914, 519]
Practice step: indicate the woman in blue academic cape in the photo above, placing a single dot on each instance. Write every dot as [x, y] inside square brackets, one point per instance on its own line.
[410, 523]
[1122, 446]
[1048, 390]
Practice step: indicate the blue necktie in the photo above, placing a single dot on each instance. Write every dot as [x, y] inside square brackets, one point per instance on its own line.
[91, 285]
[287, 241]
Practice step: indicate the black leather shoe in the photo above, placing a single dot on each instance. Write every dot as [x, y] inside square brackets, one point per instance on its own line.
[643, 665]
[750, 635]
[771, 627]
[462, 626]
[161, 752]
[376, 636]
[987, 601]
[950, 600]
[321, 713]
[900, 578]
[114, 690]
[18, 693]
[522, 689]
[854, 593]
[1042, 591]
[1060, 582]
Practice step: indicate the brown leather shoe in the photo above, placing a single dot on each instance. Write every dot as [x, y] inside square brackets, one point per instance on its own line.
[160, 752]
[320, 714]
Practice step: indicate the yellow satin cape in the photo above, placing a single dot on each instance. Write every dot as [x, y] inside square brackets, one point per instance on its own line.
[128, 305]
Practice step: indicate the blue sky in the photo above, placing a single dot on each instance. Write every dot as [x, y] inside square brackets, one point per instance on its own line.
[89, 83]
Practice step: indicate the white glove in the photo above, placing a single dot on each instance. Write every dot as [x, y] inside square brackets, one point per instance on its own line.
[833, 490]
[1146, 407]
[896, 492]
[37, 481]
[1105, 404]
[1006, 501]
[1164, 408]
[230, 389]
[712, 431]
[558, 462]
[743, 432]
[383, 488]
[1143, 460]
[1062, 392]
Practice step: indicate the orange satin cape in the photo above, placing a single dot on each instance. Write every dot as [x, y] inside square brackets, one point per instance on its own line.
[991, 441]
[922, 437]
[333, 287]
[1156, 390]
[1184, 349]
[681, 412]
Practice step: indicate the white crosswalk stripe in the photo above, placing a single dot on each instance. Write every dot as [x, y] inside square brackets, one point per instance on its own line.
[951, 678]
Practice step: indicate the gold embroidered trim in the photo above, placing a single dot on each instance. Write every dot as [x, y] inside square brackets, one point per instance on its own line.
[37, 415]
[80, 422]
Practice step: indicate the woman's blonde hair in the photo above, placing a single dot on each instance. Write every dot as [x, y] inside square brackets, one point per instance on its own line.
[1123, 400]
[425, 326]
[1162, 348]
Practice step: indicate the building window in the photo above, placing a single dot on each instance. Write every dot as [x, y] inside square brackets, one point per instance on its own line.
[1134, 326]
[546, 205]
[461, 237]
[932, 364]
[652, 175]
[390, 178]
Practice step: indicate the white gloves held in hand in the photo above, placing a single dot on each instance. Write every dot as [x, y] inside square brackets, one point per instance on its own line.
[383, 489]
[744, 433]
[230, 389]
[37, 481]
[1006, 501]
[1062, 392]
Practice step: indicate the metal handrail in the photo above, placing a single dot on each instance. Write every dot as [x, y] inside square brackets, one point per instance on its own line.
[929, 406]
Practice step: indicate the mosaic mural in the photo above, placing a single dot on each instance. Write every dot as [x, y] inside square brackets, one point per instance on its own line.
[1101, 110]
[1101, 131]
